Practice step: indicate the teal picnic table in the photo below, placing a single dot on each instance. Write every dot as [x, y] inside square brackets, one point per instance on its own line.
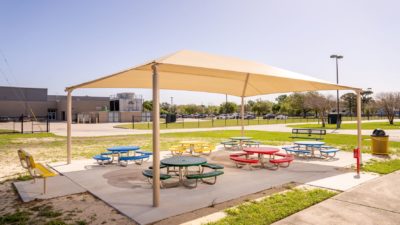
[183, 162]
[241, 140]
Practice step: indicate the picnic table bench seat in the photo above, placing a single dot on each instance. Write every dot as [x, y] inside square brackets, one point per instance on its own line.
[213, 166]
[295, 150]
[138, 159]
[202, 176]
[162, 166]
[149, 175]
[144, 153]
[239, 160]
[251, 143]
[101, 159]
[284, 159]
[329, 152]
[232, 144]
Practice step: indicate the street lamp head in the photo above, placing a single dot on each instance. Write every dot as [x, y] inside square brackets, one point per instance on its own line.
[336, 57]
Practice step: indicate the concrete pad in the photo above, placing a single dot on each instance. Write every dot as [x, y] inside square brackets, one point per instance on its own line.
[338, 212]
[56, 187]
[383, 193]
[342, 182]
[125, 189]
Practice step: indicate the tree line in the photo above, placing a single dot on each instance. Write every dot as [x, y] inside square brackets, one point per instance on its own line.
[305, 104]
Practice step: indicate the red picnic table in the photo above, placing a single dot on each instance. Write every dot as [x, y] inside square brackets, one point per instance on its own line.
[261, 151]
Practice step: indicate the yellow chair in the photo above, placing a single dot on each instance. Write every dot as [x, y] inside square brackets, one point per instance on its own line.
[36, 170]
[204, 149]
[177, 149]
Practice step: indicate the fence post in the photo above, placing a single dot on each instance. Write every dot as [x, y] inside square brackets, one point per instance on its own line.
[225, 121]
[22, 123]
[47, 125]
[258, 120]
[212, 121]
[32, 126]
[198, 122]
[133, 122]
[183, 122]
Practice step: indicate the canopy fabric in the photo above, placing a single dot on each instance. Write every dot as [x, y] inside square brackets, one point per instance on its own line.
[196, 71]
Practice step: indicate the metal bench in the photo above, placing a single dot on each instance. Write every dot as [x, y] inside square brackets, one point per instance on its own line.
[328, 152]
[101, 159]
[284, 159]
[251, 143]
[138, 159]
[295, 150]
[232, 144]
[202, 176]
[305, 133]
[149, 175]
[36, 170]
[240, 161]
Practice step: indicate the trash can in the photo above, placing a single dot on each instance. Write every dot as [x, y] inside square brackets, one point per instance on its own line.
[170, 118]
[333, 117]
[380, 142]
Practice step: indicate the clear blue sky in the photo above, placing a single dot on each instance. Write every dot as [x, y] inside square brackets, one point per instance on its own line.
[55, 44]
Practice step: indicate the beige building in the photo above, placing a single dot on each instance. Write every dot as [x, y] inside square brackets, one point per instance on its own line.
[35, 102]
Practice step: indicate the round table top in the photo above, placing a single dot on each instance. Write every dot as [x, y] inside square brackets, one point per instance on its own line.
[123, 148]
[241, 138]
[262, 150]
[193, 142]
[309, 143]
[184, 161]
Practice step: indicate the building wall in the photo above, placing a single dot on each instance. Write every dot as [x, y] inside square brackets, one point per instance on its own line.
[17, 108]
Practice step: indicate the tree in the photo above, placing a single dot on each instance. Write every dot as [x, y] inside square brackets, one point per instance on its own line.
[389, 102]
[191, 109]
[350, 102]
[228, 107]
[148, 106]
[261, 107]
[212, 109]
[319, 103]
[294, 104]
[367, 102]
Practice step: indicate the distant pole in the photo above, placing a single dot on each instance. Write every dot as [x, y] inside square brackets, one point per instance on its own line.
[172, 104]
[336, 57]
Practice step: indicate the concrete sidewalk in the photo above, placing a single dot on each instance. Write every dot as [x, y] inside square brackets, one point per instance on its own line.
[374, 202]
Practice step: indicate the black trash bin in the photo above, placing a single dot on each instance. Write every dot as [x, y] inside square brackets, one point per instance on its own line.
[333, 117]
[380, 142]
[170, 118]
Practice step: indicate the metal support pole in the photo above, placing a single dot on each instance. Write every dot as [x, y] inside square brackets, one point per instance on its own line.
[337, 96]
[242, 117]
[69, 122]
[359, 134]
[156, 137]
[242, 109]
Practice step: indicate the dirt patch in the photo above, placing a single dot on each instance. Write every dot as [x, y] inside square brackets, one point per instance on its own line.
[74, 209]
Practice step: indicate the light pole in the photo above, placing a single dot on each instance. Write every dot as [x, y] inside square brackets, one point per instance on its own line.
[337, 91]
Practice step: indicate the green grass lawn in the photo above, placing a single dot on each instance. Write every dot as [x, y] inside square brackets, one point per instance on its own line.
[50, 148]
[213, 123]
[274, 208]
[382, 166]
[352, 126]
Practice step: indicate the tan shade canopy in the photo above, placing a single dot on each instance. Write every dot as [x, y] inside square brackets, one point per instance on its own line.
[196, 71]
